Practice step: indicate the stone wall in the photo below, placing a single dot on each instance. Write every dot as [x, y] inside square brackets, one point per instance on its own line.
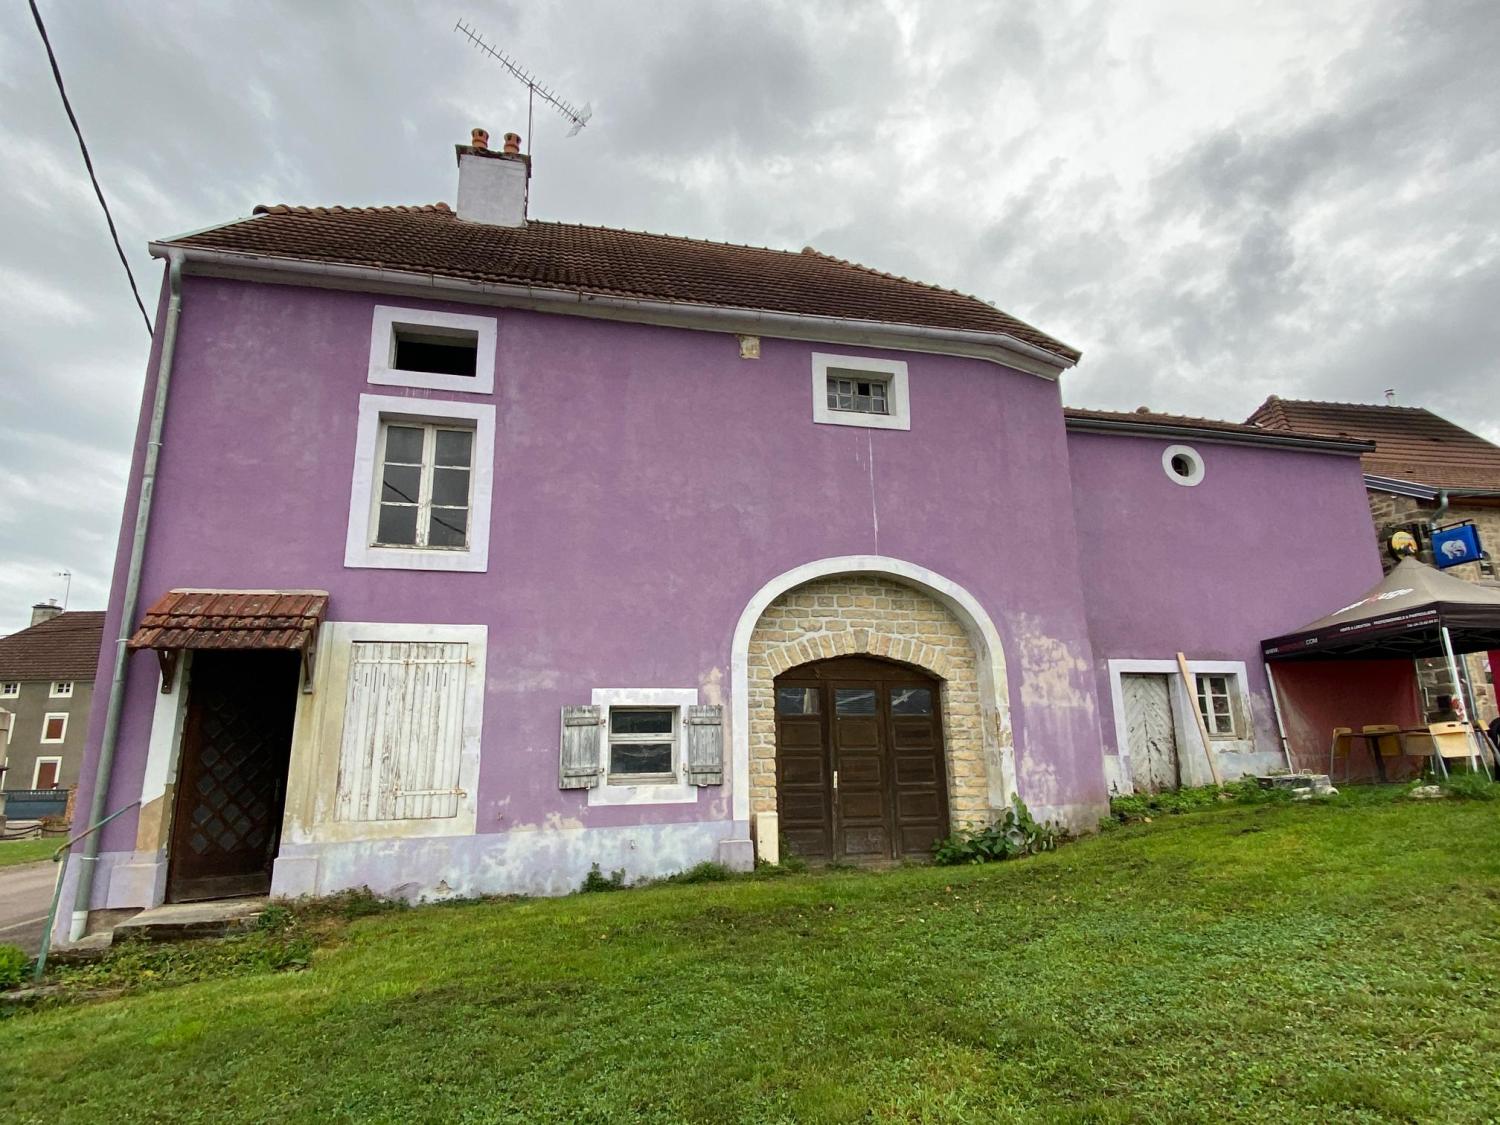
[1387, 509]
[869, 615]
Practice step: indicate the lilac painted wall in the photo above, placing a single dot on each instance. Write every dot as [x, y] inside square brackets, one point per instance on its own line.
[648, 482]
[1270, 539]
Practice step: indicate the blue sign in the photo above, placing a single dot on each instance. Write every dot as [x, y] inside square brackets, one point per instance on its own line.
[1454, 545]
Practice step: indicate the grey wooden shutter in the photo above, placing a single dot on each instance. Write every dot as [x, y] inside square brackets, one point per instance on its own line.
[581, 736]
[705, 745]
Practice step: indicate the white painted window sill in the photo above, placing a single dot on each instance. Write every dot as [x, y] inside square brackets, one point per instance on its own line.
[608, 795]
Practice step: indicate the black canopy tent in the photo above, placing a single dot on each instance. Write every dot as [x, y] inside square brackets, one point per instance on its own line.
[1415, 611]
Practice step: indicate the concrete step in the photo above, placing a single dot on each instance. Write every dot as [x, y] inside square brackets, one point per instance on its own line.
[183, 921]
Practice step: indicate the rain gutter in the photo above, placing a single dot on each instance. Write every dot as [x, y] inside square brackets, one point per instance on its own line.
[1208, 433]
[995, 347]
[89, 861]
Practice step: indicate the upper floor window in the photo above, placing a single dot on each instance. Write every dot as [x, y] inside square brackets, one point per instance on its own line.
[10, 689]
[860, 391]
[61, 689]
[54, 727]
[420, 496]
[1183, 465]
[425, 474]
[437, 351]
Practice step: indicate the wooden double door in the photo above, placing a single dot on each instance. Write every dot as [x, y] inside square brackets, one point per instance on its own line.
[232, 774]
[860, 774]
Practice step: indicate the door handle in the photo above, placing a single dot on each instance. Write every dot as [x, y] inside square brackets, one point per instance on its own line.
[835, 781]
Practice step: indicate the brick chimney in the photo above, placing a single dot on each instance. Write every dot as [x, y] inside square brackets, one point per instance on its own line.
[492, 185]
[45, 611]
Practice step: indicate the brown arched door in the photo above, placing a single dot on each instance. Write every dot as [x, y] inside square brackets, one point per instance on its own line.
[859, 761]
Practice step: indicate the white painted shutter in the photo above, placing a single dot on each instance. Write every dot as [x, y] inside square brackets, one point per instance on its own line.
[403, 731]
[705, 745]
[582, 732]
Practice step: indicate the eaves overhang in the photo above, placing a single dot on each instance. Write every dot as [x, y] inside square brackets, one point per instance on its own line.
[1418, 491]
[1275, 439]
[993, 347]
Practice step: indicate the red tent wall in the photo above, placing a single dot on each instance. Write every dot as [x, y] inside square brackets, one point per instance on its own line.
[1318, 695]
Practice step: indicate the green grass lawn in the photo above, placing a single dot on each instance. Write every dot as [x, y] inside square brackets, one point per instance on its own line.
[27, 851]
[1282, 962]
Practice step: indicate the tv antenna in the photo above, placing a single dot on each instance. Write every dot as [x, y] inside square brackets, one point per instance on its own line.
[534, 89]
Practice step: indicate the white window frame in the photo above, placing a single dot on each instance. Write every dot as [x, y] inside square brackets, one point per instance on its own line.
[364, 500]
[60, 689]
[383, 372]
[426, 468]
[318, 738]
[1193, 478]
[36, 770]
[47, 718]
[1231, 693]
[678, 792]
[890, 371]
[10, 689]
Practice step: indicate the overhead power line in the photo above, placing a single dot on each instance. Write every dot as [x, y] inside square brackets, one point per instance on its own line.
[89, 164]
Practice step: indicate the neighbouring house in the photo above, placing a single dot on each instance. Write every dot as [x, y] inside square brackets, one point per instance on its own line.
[46, 685]
[1424, 473]
[483, 549]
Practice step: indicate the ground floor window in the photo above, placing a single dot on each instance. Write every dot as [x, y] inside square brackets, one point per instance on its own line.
[642, 745]
[1216, 702]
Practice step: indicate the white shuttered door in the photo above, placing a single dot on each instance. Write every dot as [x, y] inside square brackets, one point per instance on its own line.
[403, 730]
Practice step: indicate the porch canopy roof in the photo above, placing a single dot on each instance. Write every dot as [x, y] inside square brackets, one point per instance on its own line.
[232, 619]
[1401, 617]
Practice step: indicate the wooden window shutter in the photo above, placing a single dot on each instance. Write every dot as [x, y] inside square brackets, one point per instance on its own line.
[582, 733]
[403, 731]
[705, 745]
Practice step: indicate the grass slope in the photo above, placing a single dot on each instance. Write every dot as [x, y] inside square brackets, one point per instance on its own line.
[1272, 963]
[13, 852]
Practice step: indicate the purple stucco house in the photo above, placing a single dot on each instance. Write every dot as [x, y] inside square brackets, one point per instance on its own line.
[463, 551]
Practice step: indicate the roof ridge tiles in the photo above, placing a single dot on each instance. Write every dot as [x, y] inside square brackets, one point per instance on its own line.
[439, 208]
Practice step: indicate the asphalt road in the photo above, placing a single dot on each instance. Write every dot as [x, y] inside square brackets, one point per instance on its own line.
[25, 895]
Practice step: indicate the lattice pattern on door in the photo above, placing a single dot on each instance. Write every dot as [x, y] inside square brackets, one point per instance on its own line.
[238, 774]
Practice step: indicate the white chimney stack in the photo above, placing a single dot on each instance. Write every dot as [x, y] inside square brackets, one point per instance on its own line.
[1390, 396]
[492, 185]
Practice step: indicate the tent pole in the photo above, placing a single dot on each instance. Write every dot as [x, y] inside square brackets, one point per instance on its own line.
[1460, 688]
[1286, 748]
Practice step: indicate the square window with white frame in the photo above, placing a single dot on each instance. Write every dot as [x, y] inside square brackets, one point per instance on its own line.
[10, 689]
[61, 689]
[860, 391]
[1217, 694]
[642, 745]
[54, 727]
[423, 475]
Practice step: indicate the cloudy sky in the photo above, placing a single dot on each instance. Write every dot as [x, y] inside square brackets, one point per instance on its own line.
[1214, 201]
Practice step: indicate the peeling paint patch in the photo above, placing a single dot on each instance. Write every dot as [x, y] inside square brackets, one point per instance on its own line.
[1053, 675]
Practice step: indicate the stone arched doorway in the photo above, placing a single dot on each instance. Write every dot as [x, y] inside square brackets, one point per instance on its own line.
[881, 615]
[860, 770]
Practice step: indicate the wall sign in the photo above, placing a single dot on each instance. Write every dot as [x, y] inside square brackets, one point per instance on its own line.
[1454, 545]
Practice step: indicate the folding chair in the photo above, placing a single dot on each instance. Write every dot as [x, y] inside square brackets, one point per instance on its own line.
[1454, 741]
[1343, 744]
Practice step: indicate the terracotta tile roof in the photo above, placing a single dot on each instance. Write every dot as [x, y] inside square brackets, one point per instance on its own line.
[231, 619]
[1152, 418]
[66, 647]
[570, 257]
[1411, 443]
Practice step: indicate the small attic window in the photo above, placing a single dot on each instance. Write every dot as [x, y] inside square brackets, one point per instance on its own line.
[436, 351]
[1183, 464]
[860, 391]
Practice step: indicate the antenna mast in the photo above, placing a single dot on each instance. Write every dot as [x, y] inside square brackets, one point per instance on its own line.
[534, 89]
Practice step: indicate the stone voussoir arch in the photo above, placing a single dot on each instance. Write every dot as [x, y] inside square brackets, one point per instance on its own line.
[858, 642]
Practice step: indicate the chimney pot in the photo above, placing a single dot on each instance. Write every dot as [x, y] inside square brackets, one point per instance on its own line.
[479, 138]
[513, 143]
[1390, 396]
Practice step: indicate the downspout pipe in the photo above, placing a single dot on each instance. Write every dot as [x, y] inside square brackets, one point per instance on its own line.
[89, 861]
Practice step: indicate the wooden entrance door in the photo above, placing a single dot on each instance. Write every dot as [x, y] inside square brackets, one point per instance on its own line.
[859, 755]
[231, 776]
[1150, 732]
